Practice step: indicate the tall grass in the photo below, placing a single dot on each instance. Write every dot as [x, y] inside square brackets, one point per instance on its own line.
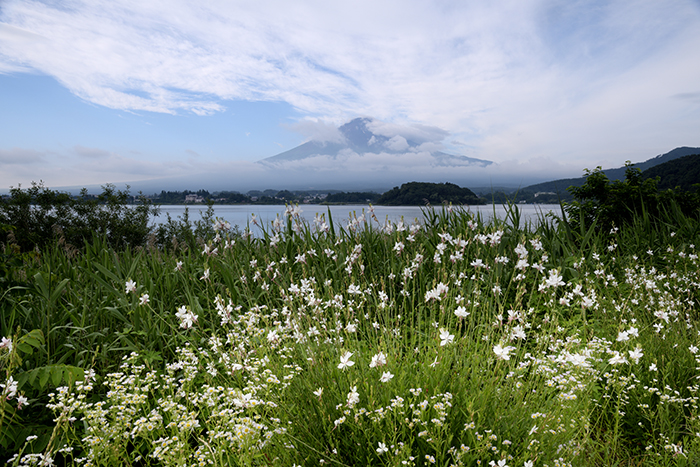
[455, 342]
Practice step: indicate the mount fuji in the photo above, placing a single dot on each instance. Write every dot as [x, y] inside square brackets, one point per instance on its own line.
[375, 142]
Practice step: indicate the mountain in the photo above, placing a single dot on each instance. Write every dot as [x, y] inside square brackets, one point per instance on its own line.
[560, 186]
[683, 172]
[361, 137]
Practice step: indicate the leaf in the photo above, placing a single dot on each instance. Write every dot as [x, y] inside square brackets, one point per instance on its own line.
[44, 375]
[56, 376]
[38, 378]
[25, 348]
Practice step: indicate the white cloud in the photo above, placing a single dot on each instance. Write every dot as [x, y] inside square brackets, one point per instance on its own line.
[397, 143]
[512, 80]
[91, 153]
[318, 130]
[20, 156]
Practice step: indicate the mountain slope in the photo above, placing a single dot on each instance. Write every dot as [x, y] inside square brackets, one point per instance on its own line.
[683, 172]
[357, 137]
[560, 186]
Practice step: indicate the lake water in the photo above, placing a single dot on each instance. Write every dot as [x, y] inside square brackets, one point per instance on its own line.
[240, 215]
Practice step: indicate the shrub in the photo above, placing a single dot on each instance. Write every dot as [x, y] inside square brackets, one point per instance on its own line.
[35, 217]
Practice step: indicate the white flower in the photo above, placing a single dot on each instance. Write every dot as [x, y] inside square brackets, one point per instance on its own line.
[272, 336]
[345, 361]
[461, 312]
[353, 397]
[6, 343]
[623, 336]
[378, 360]
[578, 359]
[652, 367]
[636, 354]
[318, 392]
[554, 279]
[21, 402]
[205, 276]
[178, 266]
[693, 349]
[446, 337]
[382, 449]
[10, 388]
[386, 376]
[518, 333]
[144, 299]
[501, 352]
[617, 358]
[186, 317]
[130, 286]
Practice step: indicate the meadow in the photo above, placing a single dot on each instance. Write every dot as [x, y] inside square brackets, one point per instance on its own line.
[453, 342]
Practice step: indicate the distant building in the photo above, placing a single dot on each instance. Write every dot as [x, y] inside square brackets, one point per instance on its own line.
[193, 199]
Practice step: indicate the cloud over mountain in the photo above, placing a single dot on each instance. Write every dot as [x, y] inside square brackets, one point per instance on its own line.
[368, 144]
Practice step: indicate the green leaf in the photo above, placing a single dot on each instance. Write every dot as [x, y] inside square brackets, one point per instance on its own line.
[44, 375]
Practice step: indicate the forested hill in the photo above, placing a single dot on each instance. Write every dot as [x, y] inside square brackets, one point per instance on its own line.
[560, 186]
[421, 194]
[683, 173]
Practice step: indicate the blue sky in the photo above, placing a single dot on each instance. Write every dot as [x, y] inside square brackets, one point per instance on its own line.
[109, 91]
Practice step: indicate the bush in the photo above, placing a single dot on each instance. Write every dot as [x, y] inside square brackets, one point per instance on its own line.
[605, 204]
[36, 217]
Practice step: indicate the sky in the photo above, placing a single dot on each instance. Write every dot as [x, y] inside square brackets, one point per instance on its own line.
[195, 93]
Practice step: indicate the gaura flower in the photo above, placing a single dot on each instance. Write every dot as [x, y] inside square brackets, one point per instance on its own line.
[345, 361]
[6, 343]
[617, 358]
[353, 397]
[503, 353]
[386, 377]
[130, 286]
[636, 354]
[144, 299]
[446, 337]
[378, 360]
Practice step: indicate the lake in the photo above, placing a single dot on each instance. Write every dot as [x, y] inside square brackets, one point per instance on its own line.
[241, 215]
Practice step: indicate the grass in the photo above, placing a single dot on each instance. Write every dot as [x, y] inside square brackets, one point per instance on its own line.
[455, 342]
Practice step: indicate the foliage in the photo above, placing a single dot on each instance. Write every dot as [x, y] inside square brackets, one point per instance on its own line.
[681, 174]
[36, 217]
[451, 342]
[608, 204]
[421, 194]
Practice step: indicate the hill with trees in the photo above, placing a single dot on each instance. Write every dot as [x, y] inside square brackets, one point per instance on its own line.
[353, 197]
[421, 194]
[560, 186]
[680, 173]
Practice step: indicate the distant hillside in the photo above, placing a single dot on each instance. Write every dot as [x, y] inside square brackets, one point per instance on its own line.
[420, 194]
[560, 186]
[351, 198]
[683, 172]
